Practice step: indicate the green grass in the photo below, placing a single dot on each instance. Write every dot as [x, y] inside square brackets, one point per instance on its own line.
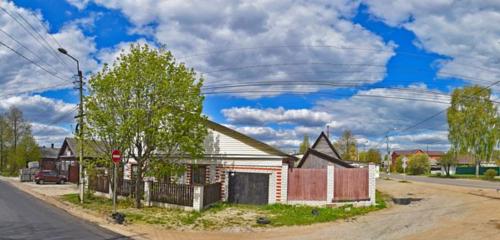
[464, 176]
[226, 215]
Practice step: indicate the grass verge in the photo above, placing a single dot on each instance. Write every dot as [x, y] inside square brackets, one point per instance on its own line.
[227, 216]
[464, 176]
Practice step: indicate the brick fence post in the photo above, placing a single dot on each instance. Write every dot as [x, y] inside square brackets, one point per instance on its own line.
[284, 183]
[330, 184]
[198, 198]
[371, 183]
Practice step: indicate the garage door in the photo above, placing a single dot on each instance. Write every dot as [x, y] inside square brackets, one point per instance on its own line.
[248, 188]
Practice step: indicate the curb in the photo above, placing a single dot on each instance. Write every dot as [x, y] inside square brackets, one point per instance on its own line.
[75, 211]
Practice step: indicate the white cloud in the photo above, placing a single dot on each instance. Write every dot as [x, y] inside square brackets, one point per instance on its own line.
[252, 116]
[18, 75]
[369, 118]
[80, 4]
[465, 31]
[270, 33]
[45, 135]
[41, 109]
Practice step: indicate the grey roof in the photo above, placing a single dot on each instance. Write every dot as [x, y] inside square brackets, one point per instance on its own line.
[49, 152]
[92, 148]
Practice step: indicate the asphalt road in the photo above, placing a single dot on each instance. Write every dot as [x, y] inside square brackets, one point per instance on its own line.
[449, 181]
[22, 216]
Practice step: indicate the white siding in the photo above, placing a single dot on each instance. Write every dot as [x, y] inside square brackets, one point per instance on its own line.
[232, 146]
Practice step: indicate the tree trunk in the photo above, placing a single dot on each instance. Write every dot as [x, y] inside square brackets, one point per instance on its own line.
[138, 182]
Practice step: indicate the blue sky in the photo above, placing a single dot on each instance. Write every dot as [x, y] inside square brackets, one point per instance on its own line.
[403, 62]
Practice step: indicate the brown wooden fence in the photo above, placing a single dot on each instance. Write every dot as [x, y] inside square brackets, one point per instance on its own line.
[307, 184]
[351, 184]
[179, 194]
[211, 193]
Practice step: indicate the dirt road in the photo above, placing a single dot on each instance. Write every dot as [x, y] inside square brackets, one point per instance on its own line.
[445, 212]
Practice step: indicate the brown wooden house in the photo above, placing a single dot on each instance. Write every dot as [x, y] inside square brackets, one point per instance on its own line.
[322, 154]
[48, 158]
[67, 159]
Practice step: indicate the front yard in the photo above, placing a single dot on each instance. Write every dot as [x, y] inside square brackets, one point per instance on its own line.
[225, 217]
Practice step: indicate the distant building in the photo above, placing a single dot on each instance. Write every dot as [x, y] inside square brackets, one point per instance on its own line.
[434, 156]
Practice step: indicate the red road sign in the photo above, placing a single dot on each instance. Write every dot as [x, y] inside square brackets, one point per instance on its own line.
[116, 155]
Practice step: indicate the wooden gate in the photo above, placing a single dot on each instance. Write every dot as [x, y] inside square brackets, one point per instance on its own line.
[307, 184]
[248, 188]
[351, 184]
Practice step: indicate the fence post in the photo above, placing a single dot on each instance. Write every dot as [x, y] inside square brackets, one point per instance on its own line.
[198, 198]
[330, 185]
[371, 183]
[85, 180]
[147, 193]
[284, 183]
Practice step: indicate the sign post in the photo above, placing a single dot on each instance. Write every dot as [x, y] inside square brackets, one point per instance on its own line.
[404, 165]
[116, 157]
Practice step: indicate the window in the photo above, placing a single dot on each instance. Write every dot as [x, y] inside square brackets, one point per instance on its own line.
[198, 174]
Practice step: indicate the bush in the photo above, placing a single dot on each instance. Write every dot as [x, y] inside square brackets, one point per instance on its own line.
[490, 174]
[419, 164]
[399, 165]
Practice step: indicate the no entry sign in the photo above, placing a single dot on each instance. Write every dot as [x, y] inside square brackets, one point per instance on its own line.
[116, 155]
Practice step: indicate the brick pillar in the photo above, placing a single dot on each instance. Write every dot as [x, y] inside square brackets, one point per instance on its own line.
[371, 183]
[284, 183]
[198, 198]
[330, 184]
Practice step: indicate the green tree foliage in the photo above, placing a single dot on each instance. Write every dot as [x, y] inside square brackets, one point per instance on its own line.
[448, 160]
[371, 156]
[473, 123]
[346, 146]
[17, 145]
[399, 165]
[304, 145]
[418, 164]
[149, 107]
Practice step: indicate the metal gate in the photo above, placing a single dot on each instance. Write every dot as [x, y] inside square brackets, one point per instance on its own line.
[248, 188]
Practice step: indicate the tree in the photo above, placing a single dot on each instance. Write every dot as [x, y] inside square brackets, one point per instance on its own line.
[17, 145]
[149, 107]
[398, 167]
[304, 145]
[4, 135]
[448, 160]
[372, 156]
[346, 145]
[474, 123]
[418, 164]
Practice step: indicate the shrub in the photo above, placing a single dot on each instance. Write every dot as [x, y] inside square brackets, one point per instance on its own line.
[399, 165]
[418, 164]
[490, 174]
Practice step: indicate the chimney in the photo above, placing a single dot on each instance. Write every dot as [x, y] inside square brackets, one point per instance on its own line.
[52, 145]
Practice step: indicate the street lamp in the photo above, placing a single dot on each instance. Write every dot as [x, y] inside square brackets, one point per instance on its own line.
[80, 122]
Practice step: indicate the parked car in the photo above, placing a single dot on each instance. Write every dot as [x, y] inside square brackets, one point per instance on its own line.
[50, 176]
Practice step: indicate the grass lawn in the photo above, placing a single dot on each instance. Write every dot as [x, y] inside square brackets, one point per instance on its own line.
[464, 176]
[226, 216]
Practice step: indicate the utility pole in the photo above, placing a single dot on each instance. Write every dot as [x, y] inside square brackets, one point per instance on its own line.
[81, 184]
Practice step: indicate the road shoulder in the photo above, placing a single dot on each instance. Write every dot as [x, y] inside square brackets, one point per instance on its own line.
[72, 210]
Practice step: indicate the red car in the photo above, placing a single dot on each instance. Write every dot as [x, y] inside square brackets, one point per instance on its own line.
[49, 176]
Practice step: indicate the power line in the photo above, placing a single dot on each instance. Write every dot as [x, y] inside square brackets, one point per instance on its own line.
[31, 61]
[338, 47]
[27, 49]
[50, 50]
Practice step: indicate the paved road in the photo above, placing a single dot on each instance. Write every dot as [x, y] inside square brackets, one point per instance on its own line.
[22, 216]
[449, 181]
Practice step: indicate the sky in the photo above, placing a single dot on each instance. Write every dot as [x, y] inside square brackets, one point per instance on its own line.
[274, 70]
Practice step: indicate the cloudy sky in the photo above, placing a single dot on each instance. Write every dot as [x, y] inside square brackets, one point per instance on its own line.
[275, 70]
